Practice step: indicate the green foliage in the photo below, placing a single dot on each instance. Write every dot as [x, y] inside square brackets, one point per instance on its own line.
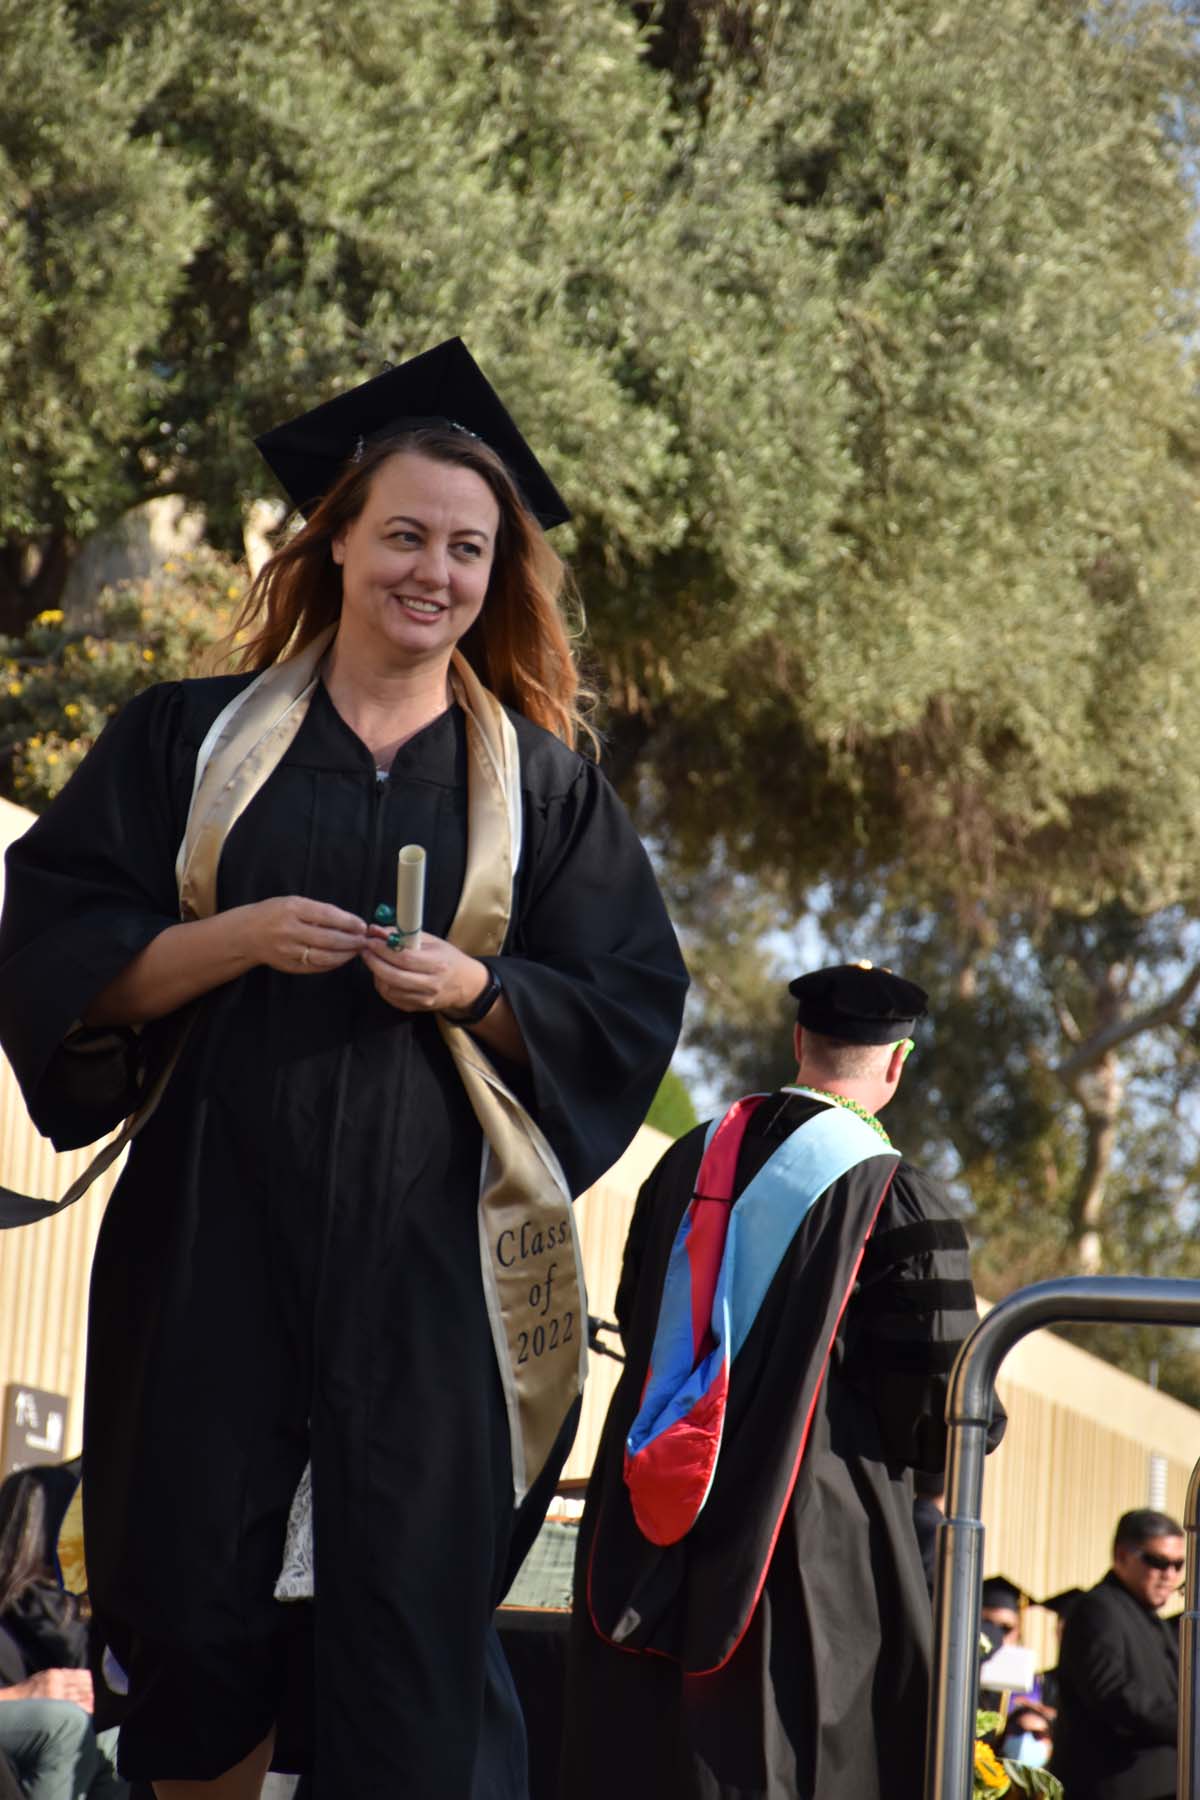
[945, 634]
[983, 1100]
[359, 181]
[97, 227]
[858, 337]
[741, 1030]
[59, 686]
[1025, 1780]
[671, 1109]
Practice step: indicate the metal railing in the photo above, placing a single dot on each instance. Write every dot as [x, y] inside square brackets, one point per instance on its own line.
[1099, 1299]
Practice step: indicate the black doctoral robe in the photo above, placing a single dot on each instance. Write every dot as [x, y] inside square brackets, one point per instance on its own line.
[822, 1695]
[290, 1264]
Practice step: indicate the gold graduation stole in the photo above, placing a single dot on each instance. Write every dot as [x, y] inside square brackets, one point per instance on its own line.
[529, 1250]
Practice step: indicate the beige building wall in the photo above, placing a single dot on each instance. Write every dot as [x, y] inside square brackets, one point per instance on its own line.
[44, 1268]
[602, 1216]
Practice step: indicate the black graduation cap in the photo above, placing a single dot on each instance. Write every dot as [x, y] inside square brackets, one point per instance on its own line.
[1062, 1603]
[857, 1003]
[1001, 1590]
[443, 386]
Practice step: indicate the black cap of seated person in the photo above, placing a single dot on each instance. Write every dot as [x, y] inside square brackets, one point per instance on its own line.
[441, 387]
[1060, 1604]
[1001, 1603]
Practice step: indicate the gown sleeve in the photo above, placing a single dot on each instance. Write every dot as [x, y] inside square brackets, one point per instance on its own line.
[594, 978]
[914, 1310]
[88, 886]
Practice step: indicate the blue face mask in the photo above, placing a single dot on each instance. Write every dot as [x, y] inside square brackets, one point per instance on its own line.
[1023, 1747]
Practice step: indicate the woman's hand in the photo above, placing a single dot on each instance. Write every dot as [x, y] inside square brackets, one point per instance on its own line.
[439, 978]
[435, 978]
[294, 935]
[301, 937]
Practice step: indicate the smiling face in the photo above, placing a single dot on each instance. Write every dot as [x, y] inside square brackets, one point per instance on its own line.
[416, 561]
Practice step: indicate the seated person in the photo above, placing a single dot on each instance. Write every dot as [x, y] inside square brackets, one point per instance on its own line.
[1001, 1621]
[1027, 1735]
[46, 1735]
[1000, 1611]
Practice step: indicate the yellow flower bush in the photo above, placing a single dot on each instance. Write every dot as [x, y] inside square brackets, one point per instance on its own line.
[995, 1776]
[60, 684]
[990, 1774]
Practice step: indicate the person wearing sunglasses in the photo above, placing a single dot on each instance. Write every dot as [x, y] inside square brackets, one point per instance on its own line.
[1118, 1671]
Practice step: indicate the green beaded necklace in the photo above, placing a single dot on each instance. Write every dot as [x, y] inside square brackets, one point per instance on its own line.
[853, 1106]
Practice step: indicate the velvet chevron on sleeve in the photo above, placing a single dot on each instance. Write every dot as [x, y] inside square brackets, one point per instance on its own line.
[914, 1309]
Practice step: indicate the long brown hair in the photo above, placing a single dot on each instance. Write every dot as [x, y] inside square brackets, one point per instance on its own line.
[519, 646]
[22, 1537]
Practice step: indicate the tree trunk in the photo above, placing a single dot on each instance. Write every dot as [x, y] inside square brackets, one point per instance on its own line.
[1102, 1091]
[23, 596]
[1092, 1076]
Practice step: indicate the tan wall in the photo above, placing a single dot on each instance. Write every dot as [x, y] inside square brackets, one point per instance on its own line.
[44, 1268]
[602, 1215]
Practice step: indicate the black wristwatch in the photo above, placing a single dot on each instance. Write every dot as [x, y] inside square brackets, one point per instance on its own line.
[481, 1007]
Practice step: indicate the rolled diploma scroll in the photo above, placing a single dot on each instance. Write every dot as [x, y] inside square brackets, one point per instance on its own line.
[410, 894]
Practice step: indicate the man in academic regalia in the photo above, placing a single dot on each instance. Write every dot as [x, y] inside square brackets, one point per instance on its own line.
[751, 1617]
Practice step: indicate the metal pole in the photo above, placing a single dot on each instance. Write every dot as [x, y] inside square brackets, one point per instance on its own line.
[1186, 1784]
[949, 1758]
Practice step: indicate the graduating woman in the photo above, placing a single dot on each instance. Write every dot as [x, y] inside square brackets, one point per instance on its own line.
[343, 1238]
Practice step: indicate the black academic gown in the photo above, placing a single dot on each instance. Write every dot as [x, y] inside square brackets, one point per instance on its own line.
[290, 1263]
[823, 1697]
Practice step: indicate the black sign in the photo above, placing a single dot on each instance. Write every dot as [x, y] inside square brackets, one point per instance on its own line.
[35, 1427]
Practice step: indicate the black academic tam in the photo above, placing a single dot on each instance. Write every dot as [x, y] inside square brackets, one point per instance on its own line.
[442, 386]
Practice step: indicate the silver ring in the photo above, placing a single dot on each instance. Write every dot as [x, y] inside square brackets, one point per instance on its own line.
[306, 954]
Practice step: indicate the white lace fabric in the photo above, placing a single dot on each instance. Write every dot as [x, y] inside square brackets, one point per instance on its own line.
[296, 1577]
